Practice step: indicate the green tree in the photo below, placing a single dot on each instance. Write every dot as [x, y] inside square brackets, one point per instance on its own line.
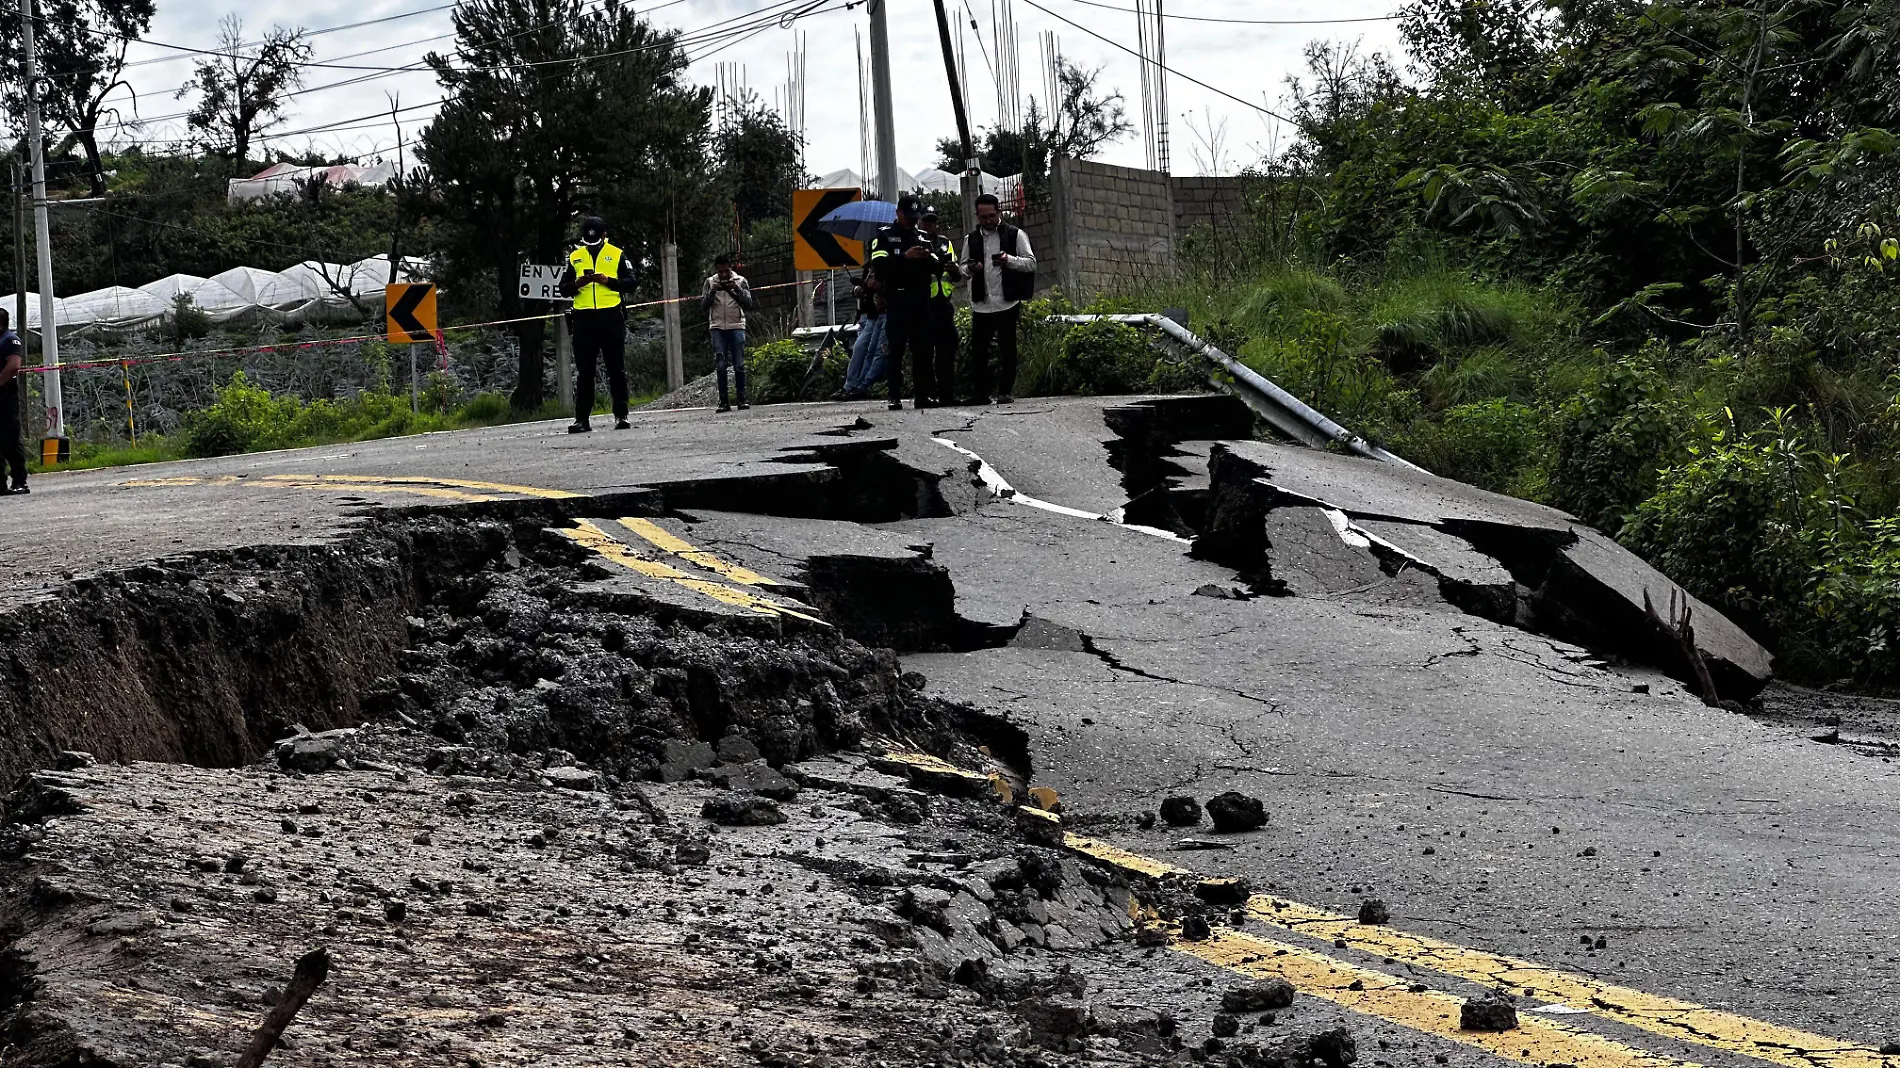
[81, 48]
[759, 161]
[556, 107]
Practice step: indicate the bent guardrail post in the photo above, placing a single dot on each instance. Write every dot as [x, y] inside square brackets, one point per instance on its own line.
[1282, 410]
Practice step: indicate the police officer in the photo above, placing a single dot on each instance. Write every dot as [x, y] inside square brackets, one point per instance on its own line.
[940, 383]
[597, 274]
[906, 265]
[12, 448]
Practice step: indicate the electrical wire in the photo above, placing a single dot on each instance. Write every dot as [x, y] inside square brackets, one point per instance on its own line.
[1179, 74]
[1243, 22]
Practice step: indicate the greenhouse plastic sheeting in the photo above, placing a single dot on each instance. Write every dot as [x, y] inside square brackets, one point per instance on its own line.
[310, 292]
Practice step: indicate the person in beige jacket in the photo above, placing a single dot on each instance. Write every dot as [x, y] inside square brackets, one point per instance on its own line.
[728, 296]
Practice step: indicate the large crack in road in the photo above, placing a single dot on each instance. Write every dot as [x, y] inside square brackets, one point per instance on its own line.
[622, 797]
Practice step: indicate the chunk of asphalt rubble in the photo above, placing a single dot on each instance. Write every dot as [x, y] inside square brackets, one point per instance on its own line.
[1373, 911]
[753, 777]
[678, 759]
[124, 923]
[1055, 1022]
[737, 749]
[1226, 1026]
[742, 810]
[1223, 891]
[570, 778]
[1195, 929]
[1492, 1012]
[1263, 996]
[1234, 813]
[313, 753]
[1180, 811]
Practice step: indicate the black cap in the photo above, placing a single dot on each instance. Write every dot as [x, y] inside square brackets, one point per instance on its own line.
[930, 213]
[593, 230]
[909, 206]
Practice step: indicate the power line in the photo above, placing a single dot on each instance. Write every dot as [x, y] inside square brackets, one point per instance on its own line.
[1243, 22]
[687, 40]
[1170, 70]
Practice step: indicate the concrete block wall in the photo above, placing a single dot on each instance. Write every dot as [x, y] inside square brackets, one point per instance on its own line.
[1108, 229]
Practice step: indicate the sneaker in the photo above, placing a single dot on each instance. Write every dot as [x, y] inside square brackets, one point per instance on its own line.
[896, 406]
[1004, 398]
[723, 409]
[580, 428]
[744, 406]
[622, 424]
[18, 488]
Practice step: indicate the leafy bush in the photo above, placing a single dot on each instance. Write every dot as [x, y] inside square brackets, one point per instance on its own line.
[1106, 357]
[1488, 443]
[244, 418]
[783, 370]
[1612, 439]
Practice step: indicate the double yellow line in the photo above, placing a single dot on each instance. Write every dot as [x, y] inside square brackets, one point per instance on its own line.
[1536, 1041]
[739, 590]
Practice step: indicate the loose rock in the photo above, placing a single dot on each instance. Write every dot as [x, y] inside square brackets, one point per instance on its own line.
[1180, 811]
[1233, 813]
[1223, 891]
[742, 810]
[1258, 997]
[1492, 1012]
[1372, 910]
[1226, 1026]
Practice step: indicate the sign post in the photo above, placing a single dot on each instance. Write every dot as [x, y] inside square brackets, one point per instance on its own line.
[409, 308]
[541, 281]
[814, 249]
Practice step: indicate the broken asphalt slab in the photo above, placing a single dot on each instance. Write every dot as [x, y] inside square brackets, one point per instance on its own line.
[1580, 585]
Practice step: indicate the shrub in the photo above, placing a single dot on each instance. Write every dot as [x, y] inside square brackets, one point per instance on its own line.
[1488, 443]
[244, 418]
[1612, 438]
[783, 370]
[1104, 358]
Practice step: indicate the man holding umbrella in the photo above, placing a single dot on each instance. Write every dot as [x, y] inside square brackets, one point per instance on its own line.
[906, 265]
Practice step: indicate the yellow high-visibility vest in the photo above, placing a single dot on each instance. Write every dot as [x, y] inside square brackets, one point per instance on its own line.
[607, 262]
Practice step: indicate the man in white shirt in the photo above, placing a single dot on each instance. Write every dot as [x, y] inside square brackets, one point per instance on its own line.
[1002, 270]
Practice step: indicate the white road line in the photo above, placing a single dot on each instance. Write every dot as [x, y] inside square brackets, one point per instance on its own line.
[999, 487]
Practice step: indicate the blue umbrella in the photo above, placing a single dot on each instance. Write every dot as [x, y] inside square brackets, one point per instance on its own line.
[859, 220]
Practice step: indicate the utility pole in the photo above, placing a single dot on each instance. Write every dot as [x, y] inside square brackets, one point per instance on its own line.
[886, 116]
[19, 283]
[971, 171]
[49, 312]
[670, 315]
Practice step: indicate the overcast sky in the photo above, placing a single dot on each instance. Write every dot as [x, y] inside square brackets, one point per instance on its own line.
[1250, 62]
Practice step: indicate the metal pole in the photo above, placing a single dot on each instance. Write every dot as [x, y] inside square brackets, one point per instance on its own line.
[670, 314]
[805, 300]
[49, 315]
[885, 113]
[19, 285]
[415, 382]
[971, 170]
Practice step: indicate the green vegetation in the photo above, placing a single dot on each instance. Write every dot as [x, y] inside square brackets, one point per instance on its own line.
[248, 418]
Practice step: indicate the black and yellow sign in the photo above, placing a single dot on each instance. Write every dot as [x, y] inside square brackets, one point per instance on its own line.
[814, 249]
[410, 308]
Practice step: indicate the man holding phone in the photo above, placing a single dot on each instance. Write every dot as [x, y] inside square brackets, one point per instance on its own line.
[597, 274]
[1002, 270]
[727, 298]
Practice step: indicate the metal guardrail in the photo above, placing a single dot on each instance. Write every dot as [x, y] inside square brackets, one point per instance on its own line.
[1282, 410]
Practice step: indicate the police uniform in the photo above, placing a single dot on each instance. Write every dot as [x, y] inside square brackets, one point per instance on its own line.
[940, 382]
[12, 447]
[599, 325]
[907, 285]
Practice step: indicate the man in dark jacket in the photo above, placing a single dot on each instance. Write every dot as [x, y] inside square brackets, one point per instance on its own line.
[905, 262]
[12, 448]
[597, 274]
[938, 378]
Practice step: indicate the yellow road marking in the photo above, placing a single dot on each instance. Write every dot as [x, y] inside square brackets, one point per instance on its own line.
[421, 485]
[1672, 1018]
[665, 541]
[588, 534]
[1535, 1041]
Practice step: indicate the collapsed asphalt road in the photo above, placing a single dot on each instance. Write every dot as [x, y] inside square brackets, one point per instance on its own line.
[1450, 702]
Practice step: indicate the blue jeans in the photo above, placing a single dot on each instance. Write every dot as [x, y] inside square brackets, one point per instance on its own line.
[729, 350]
[867, 356]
